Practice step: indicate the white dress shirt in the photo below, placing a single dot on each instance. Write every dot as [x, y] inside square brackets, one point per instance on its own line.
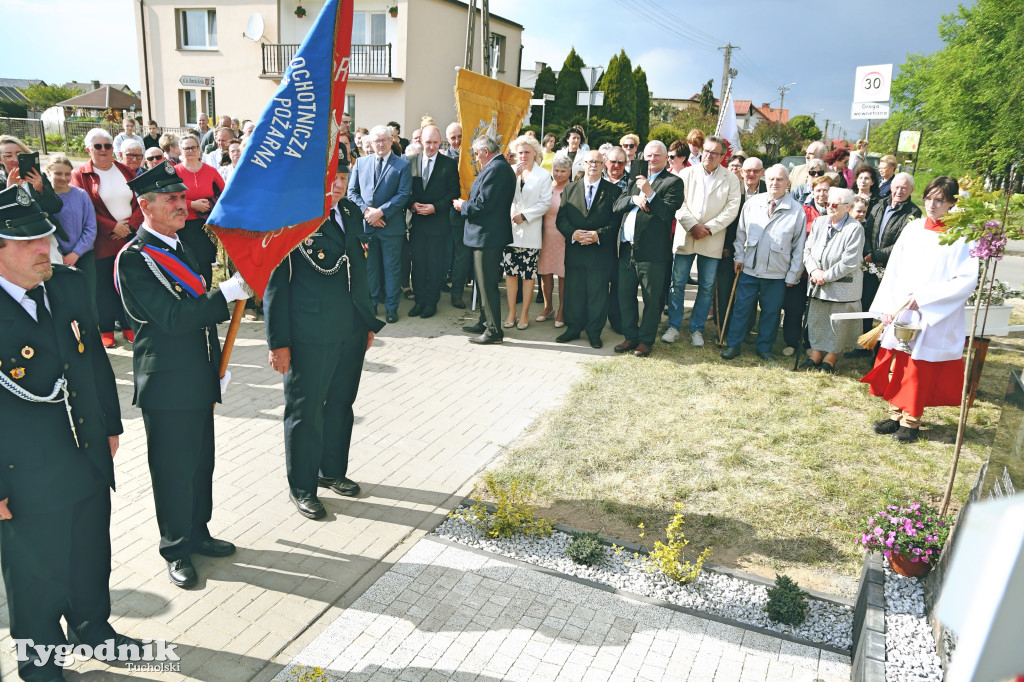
[21, 296]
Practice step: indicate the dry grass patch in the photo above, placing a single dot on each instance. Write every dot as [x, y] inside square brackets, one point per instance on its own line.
[776, 468]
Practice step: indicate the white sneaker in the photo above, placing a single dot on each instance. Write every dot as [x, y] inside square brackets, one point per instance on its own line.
[697, 339]
[788, 351]
[670, 335]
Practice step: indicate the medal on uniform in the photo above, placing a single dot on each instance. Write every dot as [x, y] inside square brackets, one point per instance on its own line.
[18, 372]
[320, 255]
[308, 241]
[78, 335]
[27, 352]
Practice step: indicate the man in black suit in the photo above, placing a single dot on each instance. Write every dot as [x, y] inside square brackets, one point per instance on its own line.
[459, 257]
[647, 207]
[320, 323]
[61, 420]
[176, 358]
[883, 226]
[586, 219]
[488, 230]
[435, 182]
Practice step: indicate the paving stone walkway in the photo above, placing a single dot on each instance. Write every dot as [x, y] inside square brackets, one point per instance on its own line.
[449, 613]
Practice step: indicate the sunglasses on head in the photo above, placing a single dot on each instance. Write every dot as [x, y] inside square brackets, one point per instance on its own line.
[815, 173]
[102, 145]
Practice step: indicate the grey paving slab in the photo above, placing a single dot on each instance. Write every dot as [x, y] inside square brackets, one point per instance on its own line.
[591, 637]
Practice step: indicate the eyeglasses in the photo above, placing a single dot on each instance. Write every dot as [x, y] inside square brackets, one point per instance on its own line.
[617, 163]
[834, 205]
[712, 153]
[628, 146]
[102, 145]
[8, 156]
[154, 158]
[133, 156]
[597, 162]
[189, 149]
[816, 173]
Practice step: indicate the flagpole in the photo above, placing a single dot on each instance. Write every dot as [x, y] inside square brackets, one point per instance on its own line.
[721, 109]
[229, 340]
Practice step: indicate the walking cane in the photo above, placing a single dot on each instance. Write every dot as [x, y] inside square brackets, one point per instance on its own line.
[718, 313]
[728, 309]
[803, 328]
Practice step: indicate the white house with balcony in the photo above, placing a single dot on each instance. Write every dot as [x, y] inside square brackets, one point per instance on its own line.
[228, 57]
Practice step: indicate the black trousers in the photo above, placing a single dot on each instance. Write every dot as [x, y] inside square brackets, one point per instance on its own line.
[202, 247]
[586, 298]
[614, 314]
[794, 303]
[180, 444]
[871, 284]
[108, 302]
[319, 390]
[57, 563]
[427, 265]
[406, 263]
[650, 277]
[462, 260]
[487, 272]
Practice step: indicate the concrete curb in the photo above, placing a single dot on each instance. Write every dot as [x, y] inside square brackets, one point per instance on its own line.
[869, 623]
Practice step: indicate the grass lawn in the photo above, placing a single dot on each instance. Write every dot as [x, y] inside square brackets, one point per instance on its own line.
[776, 468]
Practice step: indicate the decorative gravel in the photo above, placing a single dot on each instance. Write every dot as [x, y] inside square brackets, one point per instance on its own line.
[712, 593]
[909, 645]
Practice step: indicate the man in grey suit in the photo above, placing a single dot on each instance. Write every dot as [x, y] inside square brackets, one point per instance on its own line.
[488, 230]
[380, 186]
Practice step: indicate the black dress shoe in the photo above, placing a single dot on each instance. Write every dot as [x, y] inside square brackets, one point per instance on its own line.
[457, 302]
[886, 426]
[182, 572]
[429, 311]
[905, 434]
[342, 486]
[391, 318]
[487, 338]
[731, 353]
[811, 365]
[828, 367]
[310, 507]
[567, 336]
[478, 328]
[766, 356]
[117, 641]
[596, 343]
[213, 547]
[416, 310]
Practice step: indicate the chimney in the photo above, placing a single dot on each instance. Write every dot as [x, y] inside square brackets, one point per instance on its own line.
[539, 66]
[95, 85]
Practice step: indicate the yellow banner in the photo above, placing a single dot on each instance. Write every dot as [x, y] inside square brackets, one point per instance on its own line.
[486, 106]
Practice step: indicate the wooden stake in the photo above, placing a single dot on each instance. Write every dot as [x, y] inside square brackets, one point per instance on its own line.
[229, 340]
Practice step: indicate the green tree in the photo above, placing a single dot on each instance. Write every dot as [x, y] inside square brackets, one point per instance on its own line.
[662, 112]
[643, 104]
[42, 97]
[707, 99]
[545, 85]
[772, 141]
[806, 127]
[619, 91]
[569, 82]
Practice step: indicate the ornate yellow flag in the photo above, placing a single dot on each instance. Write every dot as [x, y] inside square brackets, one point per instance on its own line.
[486, 106]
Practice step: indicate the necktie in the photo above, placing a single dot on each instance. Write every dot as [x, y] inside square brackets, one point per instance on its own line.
[590, 196]
[42, 314]
[379, 170]
[771, 208]
[426, 175]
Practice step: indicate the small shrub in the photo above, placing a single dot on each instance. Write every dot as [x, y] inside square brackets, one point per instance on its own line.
[314, 674]
[786, 603]
[586, 549]
[668, 558]
[512, 515]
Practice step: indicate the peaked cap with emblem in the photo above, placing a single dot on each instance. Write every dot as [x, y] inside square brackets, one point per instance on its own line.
[21, 218]
[160, 179]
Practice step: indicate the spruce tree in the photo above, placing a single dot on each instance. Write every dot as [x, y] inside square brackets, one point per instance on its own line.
[569, 82]
[643, 105]
[619, 91]
[545, 85]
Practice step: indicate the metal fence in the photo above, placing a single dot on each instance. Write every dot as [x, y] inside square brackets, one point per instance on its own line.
[365, 60]
[80, 128]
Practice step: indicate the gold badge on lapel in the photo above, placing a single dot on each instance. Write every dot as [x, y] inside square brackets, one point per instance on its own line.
[78, 335]
[18, 372]
[27, 352]
[177, 287]
[320, 255]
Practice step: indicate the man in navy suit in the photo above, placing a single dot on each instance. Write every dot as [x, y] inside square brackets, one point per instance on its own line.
[380, 186]
[488, 213]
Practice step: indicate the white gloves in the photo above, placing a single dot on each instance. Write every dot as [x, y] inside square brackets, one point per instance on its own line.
[224, 381]
[235, 289]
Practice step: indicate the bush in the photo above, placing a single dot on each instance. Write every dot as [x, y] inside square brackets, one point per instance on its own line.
[512, 515]
[586, 549]
[786, 603]
[668, 558]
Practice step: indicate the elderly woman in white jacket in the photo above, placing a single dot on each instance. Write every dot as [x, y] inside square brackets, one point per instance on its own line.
[533, 197]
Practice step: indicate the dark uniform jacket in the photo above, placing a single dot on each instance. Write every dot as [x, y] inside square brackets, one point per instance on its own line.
[880, 253]
[40, 465]
[488, 210]
[441, 188]
[573, 215]
[176, 354]
[652, 238]
[304, 304]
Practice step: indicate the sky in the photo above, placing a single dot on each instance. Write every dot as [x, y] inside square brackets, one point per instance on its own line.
[675, 41]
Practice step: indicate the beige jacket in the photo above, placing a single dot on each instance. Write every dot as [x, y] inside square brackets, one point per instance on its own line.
[723, 205]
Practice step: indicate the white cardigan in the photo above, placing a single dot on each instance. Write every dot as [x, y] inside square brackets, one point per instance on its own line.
[533, 200]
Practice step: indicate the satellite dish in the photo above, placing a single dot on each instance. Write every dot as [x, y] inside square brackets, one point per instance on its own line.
[254, 27]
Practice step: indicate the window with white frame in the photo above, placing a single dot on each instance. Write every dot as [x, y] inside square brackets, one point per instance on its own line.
[368, 28]
[187, 107]
[498, 43]
[197, 29]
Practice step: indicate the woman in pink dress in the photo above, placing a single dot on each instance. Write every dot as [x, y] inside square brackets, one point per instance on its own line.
[552, 250]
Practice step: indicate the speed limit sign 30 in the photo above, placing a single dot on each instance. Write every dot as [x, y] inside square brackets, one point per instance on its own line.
[873, 83]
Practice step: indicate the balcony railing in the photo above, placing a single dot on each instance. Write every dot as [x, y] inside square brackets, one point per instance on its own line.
[372, 61]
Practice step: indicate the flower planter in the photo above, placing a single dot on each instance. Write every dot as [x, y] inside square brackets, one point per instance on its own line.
[906, 567]
[998, 323]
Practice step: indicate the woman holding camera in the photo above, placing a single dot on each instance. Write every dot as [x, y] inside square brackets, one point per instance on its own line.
[204, 185]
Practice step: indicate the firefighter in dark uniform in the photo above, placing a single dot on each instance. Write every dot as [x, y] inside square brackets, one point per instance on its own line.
[60, 420]
[320, 323]
[176, 362]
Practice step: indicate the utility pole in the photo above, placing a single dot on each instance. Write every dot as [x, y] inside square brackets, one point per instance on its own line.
[725, 67]
[470, 35]
[824, 134]
[485, 38]
[783, 89]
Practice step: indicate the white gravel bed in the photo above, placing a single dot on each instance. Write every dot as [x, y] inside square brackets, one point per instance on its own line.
[909, 645]
[711, 593]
